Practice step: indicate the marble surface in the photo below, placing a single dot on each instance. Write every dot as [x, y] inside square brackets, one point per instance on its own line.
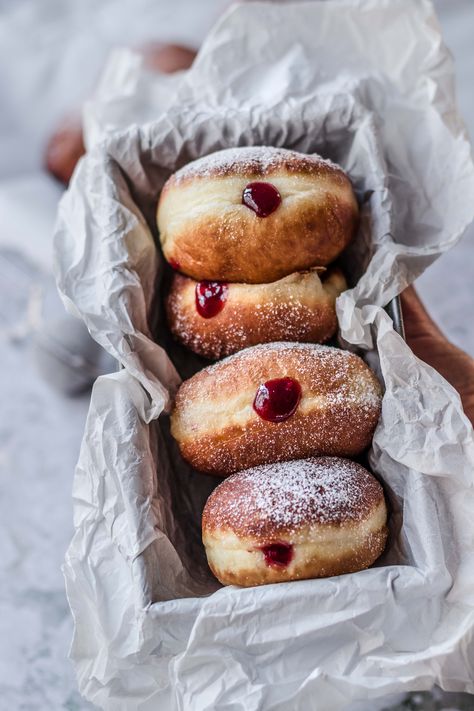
[41, 429]
[40, 434]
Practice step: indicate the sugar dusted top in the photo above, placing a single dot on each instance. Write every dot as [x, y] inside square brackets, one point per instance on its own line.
[345, 376]
[256, 161]
[282, 497]
[279, 347]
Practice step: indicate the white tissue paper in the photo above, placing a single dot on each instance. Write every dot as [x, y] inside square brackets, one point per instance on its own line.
[368, 84]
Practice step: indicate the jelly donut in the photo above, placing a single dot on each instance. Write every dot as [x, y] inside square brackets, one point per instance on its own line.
[215, 319]
[255, 215]
[309, 518]
[275, 402]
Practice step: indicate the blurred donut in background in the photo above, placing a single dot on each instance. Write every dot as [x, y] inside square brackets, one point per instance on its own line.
[64, 149]
[167, 58]
[66, 144]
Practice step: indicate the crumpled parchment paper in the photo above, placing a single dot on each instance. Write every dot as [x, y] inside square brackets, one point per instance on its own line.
[368, 84]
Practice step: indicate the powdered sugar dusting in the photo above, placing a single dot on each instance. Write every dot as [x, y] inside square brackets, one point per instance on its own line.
[337, 414]
[337, 365]
[270, 321]
[262, 350]
[254, 160]
[297, 308]
[282, 347]
[285, 496]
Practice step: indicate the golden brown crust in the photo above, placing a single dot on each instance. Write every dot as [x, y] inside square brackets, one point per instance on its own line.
[207, 231]
[219, 432]
[352, 562]
[330, 513]
[300, 307]
[232, 448]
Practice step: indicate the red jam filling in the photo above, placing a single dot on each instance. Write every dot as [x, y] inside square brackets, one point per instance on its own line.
[262, 198]
[277, 400]
[174, 264]
[278, 554]
[210, 297]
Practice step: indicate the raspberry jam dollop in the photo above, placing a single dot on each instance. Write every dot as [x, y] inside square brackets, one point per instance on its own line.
[278, 554]
[210, 297]
[277, 400]
[262, 198]
[174, 264]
